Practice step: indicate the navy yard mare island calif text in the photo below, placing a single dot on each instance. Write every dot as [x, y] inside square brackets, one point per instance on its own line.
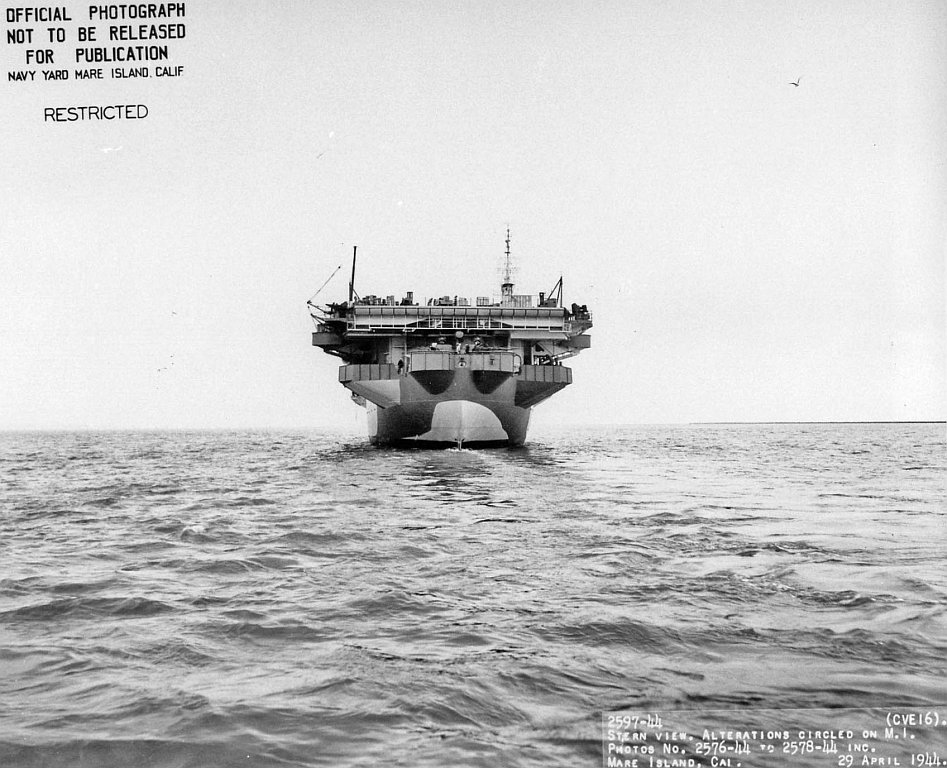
[95, 42]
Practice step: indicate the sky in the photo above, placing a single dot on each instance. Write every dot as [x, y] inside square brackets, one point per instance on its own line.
[750, 249]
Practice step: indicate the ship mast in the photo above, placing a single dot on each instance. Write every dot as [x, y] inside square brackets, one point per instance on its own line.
[352, 280]
[506, 288]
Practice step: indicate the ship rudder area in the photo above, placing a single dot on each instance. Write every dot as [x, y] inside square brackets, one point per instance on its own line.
[463, 421]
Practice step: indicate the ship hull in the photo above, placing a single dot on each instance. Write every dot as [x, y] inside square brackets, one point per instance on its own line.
[448, 423]
[452, 400]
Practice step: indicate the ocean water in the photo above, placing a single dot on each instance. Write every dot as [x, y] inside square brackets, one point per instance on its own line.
[304, 599]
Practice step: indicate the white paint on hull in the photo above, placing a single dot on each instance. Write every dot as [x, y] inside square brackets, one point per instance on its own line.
[463, 421]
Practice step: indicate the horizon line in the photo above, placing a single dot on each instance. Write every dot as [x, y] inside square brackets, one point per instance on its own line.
[197, 428]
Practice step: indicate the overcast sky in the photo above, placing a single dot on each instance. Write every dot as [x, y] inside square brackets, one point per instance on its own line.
[751, 250]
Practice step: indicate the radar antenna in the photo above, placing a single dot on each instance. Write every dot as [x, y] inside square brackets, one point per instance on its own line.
[506, 288]
[507, 266]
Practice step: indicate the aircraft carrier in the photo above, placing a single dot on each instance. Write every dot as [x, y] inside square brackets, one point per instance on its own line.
[448, 373]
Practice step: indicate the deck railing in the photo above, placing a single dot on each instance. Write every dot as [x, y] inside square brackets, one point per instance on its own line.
[507, 362]
[369, 318]
[504, 362]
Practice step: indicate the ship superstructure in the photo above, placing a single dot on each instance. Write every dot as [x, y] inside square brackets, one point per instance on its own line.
[448, 372]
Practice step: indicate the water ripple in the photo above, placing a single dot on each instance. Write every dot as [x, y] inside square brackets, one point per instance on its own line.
[298, 599]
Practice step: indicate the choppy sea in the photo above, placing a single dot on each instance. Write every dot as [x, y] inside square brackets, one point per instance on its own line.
[303, 599]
